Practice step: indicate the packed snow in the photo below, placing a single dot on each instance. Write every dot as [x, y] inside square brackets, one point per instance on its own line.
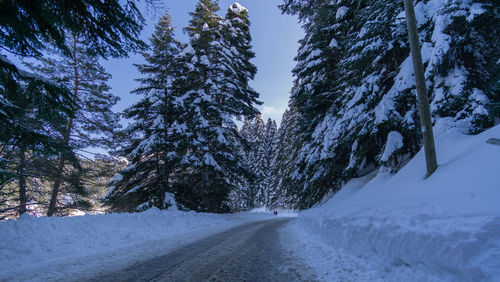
[78, 248]
[407, 228]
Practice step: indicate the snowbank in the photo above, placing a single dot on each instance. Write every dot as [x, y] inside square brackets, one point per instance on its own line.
[77, 248]
[446, 227]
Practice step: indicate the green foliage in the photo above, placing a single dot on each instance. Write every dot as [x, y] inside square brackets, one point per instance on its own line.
[183, 140]
[153, 144]
[109, 28]
[218, 69]
[355, 85]
[34, 110]
[283, 190]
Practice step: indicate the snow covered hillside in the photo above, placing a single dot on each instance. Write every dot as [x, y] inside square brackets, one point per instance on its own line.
[55, 248]
[403, 227]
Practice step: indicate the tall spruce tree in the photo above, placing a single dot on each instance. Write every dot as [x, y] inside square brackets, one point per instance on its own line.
[239, 98]
[212, 102]
[284, 190]
[154, 148]
[252, 132]
[258, 154]
[266, 153]
[186, 141]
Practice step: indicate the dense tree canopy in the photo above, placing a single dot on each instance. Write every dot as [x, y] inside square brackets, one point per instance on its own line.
[33, 108]
[356, 92]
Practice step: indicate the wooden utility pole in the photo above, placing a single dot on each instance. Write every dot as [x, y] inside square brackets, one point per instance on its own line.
[425, 112]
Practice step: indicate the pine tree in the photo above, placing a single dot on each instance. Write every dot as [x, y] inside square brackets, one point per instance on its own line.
[260, 143]
[284, 190]
[30, 27]
[93, 123]
[266, 152]
[30, 130]
[237, 53]
[252, 131]
[32, 107]
[212, 103]
[154, 148]
[355, 89]
[111, 30]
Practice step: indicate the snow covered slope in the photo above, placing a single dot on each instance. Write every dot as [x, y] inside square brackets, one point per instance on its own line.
[76, 248]
[402, 227]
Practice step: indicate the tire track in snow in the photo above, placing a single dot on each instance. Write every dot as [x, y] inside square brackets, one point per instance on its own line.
[251, 252]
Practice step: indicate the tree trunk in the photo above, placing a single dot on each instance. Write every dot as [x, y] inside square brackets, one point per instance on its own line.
[205, 187]
[59, 173]
[425, 113]
[23, 199]
[60, 169]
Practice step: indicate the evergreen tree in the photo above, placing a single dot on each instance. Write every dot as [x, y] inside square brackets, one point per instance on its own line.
[154, 148]
[239, 98]
[252, 132]
[211, 104]
[93, 123]
[110, 30]
[283, 190]
[23, 156]
[258, 153]
[32, 107]
[356, 94]
[32, 26]
[266, 154]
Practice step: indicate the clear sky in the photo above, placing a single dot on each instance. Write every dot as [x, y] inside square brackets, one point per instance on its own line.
[275, 44]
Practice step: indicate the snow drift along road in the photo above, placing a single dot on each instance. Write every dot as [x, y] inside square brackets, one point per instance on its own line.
[403, 227]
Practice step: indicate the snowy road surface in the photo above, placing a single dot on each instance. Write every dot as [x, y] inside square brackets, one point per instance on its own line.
[251, 252]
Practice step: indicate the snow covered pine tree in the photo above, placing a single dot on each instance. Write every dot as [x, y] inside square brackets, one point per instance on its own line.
[356, 90]
[217, 91]
[155, 139]
[195, 142]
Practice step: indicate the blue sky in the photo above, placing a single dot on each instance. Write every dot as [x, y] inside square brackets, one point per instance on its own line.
[275, 44]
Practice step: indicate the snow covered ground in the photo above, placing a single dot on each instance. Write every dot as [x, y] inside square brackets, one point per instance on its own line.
[75, 248]
[405, 228]
[377, 228]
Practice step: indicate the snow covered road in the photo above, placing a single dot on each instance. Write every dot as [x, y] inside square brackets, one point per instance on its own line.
[379, 227]
[251, 252]
[82, 247]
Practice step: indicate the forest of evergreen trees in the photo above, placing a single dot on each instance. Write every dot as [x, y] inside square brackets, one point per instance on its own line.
[355, 93]
[352, 109]
[49, 114]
